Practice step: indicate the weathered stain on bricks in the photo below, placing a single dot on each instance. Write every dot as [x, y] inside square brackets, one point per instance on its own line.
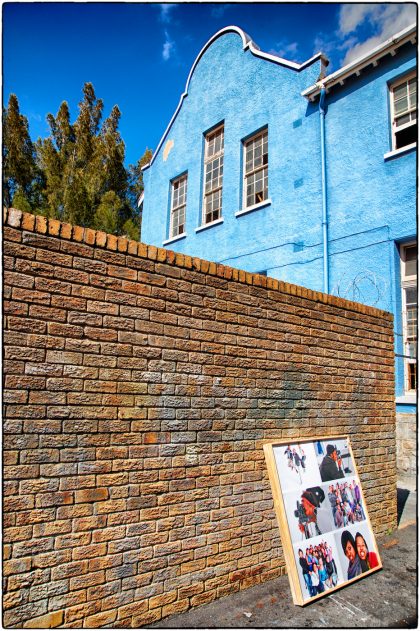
[139, 388]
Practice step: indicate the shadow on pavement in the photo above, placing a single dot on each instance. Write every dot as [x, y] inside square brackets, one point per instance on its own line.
[402, 496]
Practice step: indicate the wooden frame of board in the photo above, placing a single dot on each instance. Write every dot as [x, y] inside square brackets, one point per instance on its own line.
[327, 537]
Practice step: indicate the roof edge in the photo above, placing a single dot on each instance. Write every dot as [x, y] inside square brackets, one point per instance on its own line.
[247, 44]
[354, 67]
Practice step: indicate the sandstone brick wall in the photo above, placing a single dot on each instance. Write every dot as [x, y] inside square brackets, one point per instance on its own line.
[140, 386]
[406, 444]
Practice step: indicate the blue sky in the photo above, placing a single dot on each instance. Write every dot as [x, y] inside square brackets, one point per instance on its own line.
[139, 55]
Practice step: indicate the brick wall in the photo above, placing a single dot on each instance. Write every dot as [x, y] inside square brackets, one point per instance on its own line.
[406, 444]
[140, 385]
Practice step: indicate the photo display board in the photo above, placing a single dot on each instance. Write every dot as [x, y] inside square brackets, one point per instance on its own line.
[326, 534]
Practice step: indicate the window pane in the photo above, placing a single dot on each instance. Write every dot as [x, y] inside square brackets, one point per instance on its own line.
[406, 136]
[411, 261]
[179, 198]
[404, 101]
[412, 376]
[213, 175]
[401, 105]
[411, 297]
[400, 91]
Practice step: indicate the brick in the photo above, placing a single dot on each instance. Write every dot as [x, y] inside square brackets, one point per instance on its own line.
[28, 221]
[91, 495]
[100, 619]
[14, 217]
[47, 621]
[41, 224]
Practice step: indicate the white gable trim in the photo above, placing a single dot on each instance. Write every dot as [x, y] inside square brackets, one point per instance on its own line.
[247, 44]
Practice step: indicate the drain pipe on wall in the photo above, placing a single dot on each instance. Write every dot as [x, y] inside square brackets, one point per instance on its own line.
[324, 191]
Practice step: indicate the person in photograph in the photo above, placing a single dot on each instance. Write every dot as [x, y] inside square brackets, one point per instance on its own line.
[352, 494]
[317, 585]
[332, 496]
[346, 495]
[302, 459]
[322, 573]
[348, 513]
[359, 515]
[368, 560]
[330, 468]
[331, 568]
[310, 558]
[289, 456]
[338, 516]
[349, 548]
[305, 570]
[306, 511]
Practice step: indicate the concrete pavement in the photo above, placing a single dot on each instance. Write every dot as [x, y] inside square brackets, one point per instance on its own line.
[386, 599]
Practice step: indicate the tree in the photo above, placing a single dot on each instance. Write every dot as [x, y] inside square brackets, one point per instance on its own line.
[79, 175]
[136, 186]
[135, 189]
[18, 155]
[21, 201]
[107, 214]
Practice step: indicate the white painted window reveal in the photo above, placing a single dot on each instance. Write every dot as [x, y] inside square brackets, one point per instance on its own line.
[213, 175]
[255, 169]
[178, 206]
[409, 305]
[404, 111]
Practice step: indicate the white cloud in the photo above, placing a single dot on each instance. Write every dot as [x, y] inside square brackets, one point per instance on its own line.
[352, 15]
[168, 47]
[362, 27]
[384, 19]
[165, 12]
[285, 49]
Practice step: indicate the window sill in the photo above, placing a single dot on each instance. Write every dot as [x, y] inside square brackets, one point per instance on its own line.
[251, 209]
[398, 152]
[209, 225]
[407, 399]
[173, 239]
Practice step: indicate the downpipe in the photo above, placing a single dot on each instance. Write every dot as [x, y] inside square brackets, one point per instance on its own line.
[324, 192]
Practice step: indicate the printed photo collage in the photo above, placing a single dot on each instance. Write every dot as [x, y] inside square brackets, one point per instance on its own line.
[331, 538]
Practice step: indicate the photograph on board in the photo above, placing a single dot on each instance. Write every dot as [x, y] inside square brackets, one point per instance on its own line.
[356, 550]
[296, 465]
[346, 502]
[308, 513]
[318, 567]
[334, 459]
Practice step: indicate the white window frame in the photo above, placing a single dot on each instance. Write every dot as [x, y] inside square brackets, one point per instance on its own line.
[178, 207]
[208, 160]
[407, 282]
[410, 110]
[253, 171]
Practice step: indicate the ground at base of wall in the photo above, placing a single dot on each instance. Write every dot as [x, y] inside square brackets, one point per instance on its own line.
[387, 598]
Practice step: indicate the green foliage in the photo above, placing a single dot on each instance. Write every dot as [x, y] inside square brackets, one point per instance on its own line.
[18, 152]
[107, 214]
[77, 173]
[131, 229]
[21, 202]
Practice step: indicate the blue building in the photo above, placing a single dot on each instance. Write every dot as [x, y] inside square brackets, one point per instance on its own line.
[279, 168]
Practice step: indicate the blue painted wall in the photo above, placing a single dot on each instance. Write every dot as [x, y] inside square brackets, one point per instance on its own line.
[371, 200]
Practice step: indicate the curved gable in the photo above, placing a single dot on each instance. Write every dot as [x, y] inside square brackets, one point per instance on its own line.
[247, 45]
